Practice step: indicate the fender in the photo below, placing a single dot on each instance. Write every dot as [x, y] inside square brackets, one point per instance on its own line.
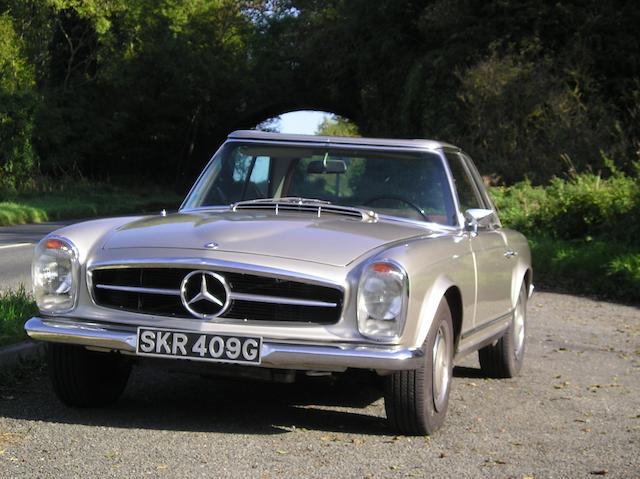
[430, 304]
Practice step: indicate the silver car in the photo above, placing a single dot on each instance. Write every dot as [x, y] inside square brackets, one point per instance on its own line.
[295, 255]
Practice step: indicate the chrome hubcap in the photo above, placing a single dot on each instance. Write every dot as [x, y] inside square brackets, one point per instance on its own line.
[518, 329]
[441, 369]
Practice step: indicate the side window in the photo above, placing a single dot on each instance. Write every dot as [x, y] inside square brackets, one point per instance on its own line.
[467, 194]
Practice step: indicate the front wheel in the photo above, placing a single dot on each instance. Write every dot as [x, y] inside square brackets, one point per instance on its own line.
[83, 378]
[504, 358]
[416, 401]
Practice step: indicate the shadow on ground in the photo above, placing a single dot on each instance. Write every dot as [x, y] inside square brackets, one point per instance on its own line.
[160, 400]
[155, 399]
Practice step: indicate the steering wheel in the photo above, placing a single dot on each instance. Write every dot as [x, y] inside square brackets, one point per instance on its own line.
[398, 198]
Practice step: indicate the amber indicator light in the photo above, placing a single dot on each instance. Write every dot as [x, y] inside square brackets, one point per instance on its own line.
[54, 244]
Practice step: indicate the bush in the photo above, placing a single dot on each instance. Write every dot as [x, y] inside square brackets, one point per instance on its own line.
[584, 206]
[583, 231]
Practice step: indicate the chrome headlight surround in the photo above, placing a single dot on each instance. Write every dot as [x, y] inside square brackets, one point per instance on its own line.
[55, 273]
[383, 296]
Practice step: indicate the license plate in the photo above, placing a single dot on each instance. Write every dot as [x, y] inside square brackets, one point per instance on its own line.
[198, 346]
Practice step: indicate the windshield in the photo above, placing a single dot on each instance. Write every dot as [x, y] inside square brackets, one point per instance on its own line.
[410, 185]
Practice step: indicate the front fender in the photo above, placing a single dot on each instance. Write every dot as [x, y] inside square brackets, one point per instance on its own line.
[429, 306]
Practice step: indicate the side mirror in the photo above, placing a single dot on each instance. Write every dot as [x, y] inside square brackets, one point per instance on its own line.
[477, 218]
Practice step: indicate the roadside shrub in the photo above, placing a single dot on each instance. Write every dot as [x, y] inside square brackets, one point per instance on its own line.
[15, 308]
[585, 205]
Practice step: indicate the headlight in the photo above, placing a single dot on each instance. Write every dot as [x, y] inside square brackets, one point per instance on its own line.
[383, 292]
[55, 273]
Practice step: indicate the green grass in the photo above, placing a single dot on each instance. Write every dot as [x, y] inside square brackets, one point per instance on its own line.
[602, 268]
[85, 201]
[15, 308]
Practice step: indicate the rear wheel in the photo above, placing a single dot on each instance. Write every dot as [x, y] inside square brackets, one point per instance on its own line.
[504, 358]
[416, 401]
[84, 378]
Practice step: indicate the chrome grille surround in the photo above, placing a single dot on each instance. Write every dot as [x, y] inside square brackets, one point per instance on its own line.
[154, 289]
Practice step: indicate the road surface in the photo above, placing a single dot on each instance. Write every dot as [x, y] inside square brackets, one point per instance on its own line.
[573, 413]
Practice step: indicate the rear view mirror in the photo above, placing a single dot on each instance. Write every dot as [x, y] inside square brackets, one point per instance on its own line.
[327, 166]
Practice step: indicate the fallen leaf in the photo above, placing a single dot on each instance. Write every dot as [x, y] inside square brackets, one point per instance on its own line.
[602, 472]
[282, 451]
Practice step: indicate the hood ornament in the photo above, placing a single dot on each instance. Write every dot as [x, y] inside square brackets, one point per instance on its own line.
[212, 245]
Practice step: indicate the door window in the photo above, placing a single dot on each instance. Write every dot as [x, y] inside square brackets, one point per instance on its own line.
[468, 196]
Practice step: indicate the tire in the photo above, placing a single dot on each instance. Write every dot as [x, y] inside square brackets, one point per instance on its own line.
[416, 405]
[82, 378]
[504, 359]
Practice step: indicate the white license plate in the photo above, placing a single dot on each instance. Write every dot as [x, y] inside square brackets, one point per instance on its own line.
[170, 343]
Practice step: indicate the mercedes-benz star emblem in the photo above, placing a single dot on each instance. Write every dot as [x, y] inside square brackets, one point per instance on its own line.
[204, 294]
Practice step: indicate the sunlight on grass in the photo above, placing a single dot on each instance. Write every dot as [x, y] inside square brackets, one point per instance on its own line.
[87, 201]
[15, 308]
[18, 214]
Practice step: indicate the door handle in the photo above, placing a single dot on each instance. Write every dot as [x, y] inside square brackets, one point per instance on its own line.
[510, 254]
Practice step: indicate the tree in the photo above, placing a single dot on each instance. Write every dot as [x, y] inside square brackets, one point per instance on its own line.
[336, 125]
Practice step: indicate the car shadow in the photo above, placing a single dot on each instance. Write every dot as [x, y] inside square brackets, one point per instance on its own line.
[467, 372]
[160, 400]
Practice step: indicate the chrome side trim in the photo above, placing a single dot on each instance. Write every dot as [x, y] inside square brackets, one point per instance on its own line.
[136, 289]
[486, 325]
[280, 300]
[331, 357]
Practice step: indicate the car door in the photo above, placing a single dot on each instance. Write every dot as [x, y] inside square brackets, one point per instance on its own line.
[488, 246]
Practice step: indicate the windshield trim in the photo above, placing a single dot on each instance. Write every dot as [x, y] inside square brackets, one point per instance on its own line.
[439, 151]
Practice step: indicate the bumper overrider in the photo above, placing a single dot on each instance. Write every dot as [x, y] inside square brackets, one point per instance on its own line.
[274, 354]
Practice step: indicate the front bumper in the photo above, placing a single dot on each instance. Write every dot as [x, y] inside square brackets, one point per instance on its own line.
[327, 357]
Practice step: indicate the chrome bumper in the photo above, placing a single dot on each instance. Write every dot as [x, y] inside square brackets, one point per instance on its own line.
[332, 357]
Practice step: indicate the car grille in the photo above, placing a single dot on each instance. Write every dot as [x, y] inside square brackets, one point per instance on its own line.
[157, 291]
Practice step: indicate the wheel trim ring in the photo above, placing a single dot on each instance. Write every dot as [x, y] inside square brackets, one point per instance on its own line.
[441, 370]
[518, 329]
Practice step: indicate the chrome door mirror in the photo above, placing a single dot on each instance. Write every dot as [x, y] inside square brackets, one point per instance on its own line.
[475, 218]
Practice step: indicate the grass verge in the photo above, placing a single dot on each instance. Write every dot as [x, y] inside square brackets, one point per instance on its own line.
[601, 268]
[15, 308]
[83, 202]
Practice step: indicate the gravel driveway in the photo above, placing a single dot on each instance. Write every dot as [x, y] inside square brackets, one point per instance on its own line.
[574, 412]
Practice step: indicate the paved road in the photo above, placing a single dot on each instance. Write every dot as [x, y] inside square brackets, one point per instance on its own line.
[16, 251]
[574, 412]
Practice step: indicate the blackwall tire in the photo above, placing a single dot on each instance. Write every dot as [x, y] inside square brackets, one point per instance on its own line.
[82, 378]
[416, 401]
[504, 359]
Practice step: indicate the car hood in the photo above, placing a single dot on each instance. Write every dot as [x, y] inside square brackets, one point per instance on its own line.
[330, 239]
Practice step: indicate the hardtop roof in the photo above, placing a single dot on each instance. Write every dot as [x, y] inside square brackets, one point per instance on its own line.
[340, 140]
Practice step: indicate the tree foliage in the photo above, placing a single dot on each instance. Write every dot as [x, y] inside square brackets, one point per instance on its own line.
[337, 126]
[148, 88]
